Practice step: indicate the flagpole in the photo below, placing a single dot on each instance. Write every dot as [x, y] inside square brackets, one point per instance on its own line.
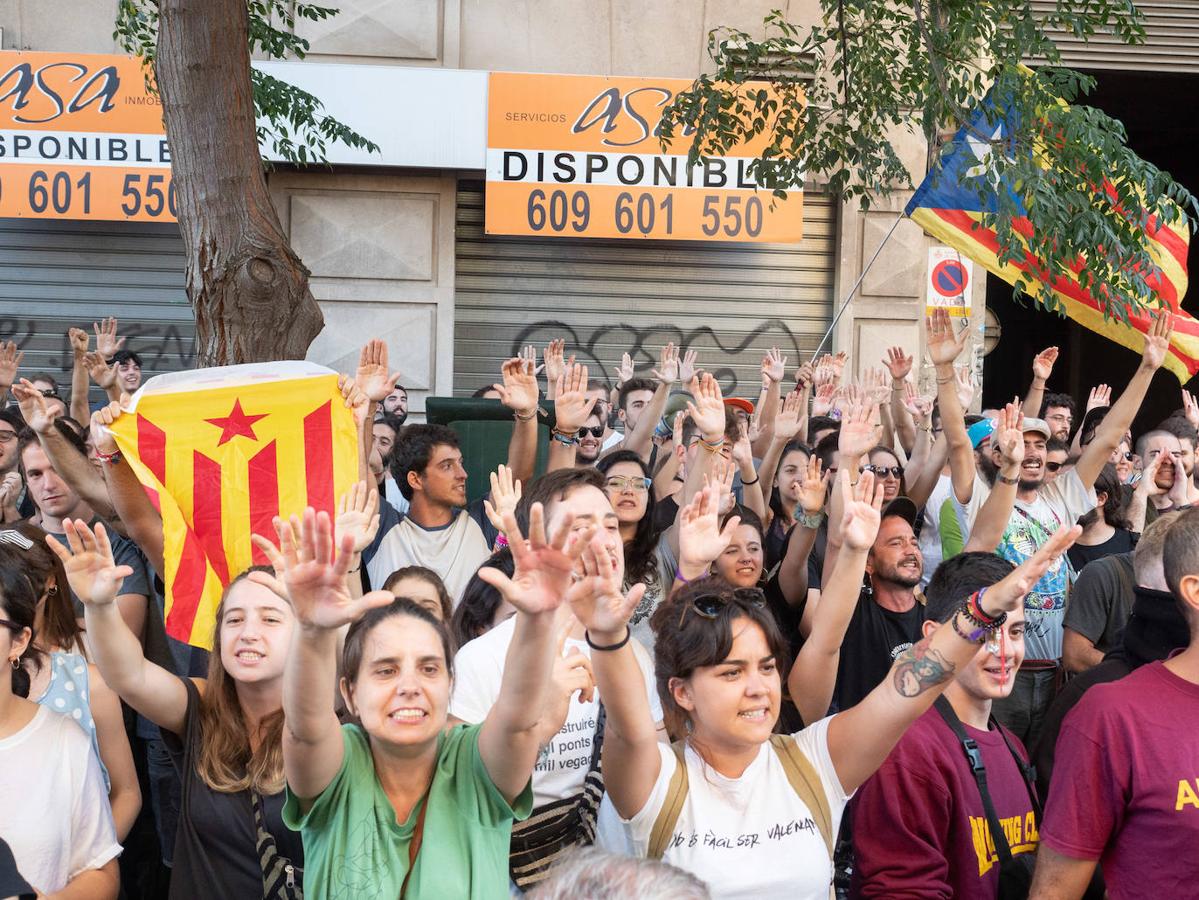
[856, 285]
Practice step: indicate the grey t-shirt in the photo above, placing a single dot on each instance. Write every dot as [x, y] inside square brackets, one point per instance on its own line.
[1101, 600]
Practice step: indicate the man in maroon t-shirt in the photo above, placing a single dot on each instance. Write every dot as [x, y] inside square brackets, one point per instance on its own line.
[923, 829]
[1125, 788]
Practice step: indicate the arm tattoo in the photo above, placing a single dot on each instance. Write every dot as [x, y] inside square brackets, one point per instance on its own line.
[919, 668]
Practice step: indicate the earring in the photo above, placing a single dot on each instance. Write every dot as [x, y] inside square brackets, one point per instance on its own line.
[16, 663]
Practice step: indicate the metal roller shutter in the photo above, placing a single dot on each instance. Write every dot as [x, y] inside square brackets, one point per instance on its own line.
[1171, 40]
[58, 274]
[730, 302]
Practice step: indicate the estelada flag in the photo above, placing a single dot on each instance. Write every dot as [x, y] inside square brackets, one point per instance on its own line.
[221, 452]
[947, 205]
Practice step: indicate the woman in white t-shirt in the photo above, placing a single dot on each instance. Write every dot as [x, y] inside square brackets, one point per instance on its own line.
[47, 767]
[719, 657]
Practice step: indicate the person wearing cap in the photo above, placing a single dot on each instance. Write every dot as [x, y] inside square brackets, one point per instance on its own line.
[1036, 511]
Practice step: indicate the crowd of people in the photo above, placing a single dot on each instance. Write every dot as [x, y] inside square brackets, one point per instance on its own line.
[845, 636]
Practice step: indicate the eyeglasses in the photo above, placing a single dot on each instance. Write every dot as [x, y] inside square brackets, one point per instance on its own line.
[7, 436]
[629, 483]
[884, 471]
[13, 626]
[595, 431]
[710, 605]
[1053, 466]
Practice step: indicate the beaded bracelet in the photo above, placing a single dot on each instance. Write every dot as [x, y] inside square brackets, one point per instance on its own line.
[974, 604]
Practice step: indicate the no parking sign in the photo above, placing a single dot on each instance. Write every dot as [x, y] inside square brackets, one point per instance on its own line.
[950, 280]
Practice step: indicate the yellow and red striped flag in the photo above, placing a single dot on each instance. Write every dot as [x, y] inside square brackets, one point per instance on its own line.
[950, 210]
[221, 452]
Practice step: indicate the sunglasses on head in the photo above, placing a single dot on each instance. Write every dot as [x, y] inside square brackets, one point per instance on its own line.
[884, 471]
[595, 431]
[710, 605]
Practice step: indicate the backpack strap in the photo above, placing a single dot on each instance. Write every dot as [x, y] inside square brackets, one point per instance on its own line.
[974, 757]
[672, 806]
[805, 781]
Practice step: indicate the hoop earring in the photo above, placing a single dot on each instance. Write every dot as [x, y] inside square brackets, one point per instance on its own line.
[16, 663]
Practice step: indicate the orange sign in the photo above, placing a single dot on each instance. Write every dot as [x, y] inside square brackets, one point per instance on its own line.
[580, 156]
[81, 138]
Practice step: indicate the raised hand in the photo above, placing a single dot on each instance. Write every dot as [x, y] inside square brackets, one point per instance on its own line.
[825, 372]
[898, 363]
[529, 354]
[1009, 593]
[838, 361]
[857, 430]
[598, 599]
[1008, 435]
[944, 345]
[964, 385]
[372, 377]
[38, 414]
[625, 371]
[774, 366]
[1190, 408]
[701, 539]
[874, 383]
[554, 360]
[743, 451]
[10, 489]
[805, 375]
[721, 476]
[543, 567]
[87, 559]
[822, 403]
[676, 428]
[104, 375]
[10, 361]
[505, 494]
[1157, 340]
[79, 341]
[863, 503]
[668, 365]
[789, 418]
[1042, 363]
[687, 368]
[107, 342]
[352, 396]
[1101, 396]
[519, 391]
[707, 406]
[358, 515]
[920, 408]
[812, 490]
[572, 406]
[102, 421]
[313, 572]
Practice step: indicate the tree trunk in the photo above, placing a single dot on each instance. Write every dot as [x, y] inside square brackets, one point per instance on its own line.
[248, 288]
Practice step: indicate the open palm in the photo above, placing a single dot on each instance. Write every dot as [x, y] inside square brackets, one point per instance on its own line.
[597, 599]
[543, 568]
[87, 559]
[314, 575]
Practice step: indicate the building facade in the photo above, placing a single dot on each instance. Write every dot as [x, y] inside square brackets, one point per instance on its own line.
[395, 242]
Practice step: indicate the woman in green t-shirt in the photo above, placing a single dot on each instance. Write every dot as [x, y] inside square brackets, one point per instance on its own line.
[395, 805]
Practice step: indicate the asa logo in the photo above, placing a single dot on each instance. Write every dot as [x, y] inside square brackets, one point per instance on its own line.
[42, 95]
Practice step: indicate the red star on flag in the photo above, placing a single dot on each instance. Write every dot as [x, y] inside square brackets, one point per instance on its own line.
[236, 424]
